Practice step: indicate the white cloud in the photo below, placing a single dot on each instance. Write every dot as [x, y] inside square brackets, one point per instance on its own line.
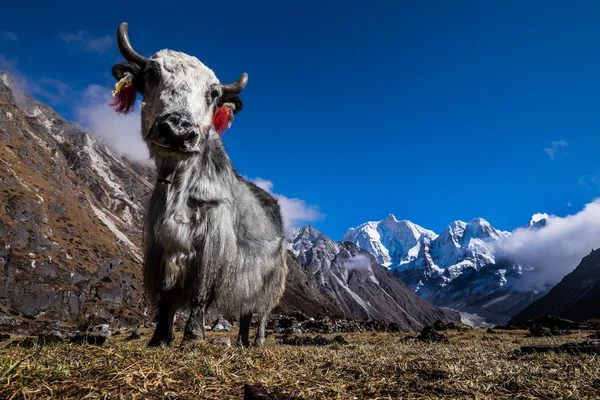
[82, 40]
[556, 249]
[123, 132]
[359, 261]
[590, 181]
[295, 212]
[10, 35]
[556, 146]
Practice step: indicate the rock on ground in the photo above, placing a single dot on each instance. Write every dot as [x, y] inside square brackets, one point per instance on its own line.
[224, 341]
[428, 334]
[256, 393]
[222, 325]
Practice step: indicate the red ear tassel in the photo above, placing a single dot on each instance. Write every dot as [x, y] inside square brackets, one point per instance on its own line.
[124, 98]
[220, 119]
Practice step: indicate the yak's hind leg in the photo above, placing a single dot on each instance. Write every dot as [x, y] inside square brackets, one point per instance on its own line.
[163, 334]
[244, 335]
[259, 340]
[194, 328]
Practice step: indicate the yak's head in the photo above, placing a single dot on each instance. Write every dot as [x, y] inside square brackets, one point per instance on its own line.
[180, 98]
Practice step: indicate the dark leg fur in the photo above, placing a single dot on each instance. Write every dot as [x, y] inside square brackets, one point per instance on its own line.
[194, 329]
[259, 340]
[244, 335]
[163, 334]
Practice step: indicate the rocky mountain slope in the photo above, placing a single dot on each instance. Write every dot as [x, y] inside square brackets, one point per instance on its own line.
[71, 213]
[460, 268]
[70, 217]
[575, 297]
[360, 286]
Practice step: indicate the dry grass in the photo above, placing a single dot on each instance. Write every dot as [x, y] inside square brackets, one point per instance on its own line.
[372, 366]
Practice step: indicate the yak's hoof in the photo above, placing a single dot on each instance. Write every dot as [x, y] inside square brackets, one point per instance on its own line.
[259, 343]
[192, 337]
[158, 343]
[161, 342]
[241, 343]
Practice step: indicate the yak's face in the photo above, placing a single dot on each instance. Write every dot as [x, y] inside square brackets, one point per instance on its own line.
[179, 98]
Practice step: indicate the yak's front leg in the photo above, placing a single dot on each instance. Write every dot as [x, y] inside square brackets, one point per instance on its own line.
[194, 329]
[244, 334]
[259, 340]
[163, 334]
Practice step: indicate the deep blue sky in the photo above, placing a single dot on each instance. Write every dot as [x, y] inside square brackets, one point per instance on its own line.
[431, 110]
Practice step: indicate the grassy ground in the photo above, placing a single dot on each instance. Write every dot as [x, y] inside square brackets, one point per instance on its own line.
[371, 366]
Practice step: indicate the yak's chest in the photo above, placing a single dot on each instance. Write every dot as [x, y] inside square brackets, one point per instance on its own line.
[183, 222]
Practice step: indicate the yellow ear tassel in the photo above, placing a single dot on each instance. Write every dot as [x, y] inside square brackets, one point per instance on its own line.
[122, 82]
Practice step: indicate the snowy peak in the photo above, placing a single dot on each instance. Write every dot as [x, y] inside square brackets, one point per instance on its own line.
[301, 240]
[479, 228]
[538, 220]
[389, 240]
[305, 233]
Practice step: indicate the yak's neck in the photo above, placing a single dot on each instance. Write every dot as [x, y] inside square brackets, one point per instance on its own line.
[210, 172]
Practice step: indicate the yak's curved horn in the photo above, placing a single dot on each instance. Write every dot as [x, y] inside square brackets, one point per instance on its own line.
[125, 47]
[237, 86]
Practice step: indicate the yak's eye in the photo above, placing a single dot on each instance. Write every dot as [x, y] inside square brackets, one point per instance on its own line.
[214, 94]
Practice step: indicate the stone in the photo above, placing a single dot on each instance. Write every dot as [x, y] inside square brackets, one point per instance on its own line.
[222, 325]
[429, 334]
[339, 339]
[440, 325]
[223, 341]
[49, 338]
[256, 393]
[305, 341]
[6, 320]
[150, 325]
[542, 331]
[133, 336]
[96, 340]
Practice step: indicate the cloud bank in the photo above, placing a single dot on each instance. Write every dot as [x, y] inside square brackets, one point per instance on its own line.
[295, 212]
[556, 249]
[359, 261]
[123, 132]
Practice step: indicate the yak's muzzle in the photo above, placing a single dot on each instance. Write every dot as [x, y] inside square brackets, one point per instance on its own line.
[174, 131]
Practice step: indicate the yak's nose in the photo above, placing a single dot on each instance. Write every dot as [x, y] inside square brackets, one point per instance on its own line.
[174, 130]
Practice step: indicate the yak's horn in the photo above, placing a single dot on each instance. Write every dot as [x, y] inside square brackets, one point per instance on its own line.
[237, 86]
[125, 47]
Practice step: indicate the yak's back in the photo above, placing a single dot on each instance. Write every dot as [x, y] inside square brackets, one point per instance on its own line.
[268, 203]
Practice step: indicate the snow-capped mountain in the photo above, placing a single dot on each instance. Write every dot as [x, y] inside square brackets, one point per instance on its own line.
[389, 240]
[461, 268]
[362, 287]
[538, 220]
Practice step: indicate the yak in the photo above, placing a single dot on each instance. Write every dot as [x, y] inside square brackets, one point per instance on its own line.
[212, 239]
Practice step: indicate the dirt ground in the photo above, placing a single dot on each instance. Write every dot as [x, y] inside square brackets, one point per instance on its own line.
[374, 365]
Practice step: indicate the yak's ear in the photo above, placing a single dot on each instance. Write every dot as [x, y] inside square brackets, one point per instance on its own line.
[120, 70]
[233, 100]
